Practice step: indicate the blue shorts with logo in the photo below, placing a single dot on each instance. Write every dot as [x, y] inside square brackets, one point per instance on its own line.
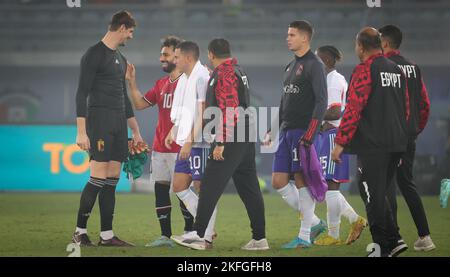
[286, 158]
[332, 171]
[195, 165]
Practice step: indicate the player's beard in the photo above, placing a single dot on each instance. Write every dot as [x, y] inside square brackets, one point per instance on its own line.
[169, 68]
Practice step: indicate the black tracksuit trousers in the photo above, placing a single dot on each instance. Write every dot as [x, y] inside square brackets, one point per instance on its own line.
[409, 191]
[376, 172]
[239, 164]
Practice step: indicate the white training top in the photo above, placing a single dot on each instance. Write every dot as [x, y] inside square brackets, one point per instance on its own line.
[202, 86]
[337, 89]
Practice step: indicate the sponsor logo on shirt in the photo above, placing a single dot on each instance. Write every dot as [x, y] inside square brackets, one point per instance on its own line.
[291, 89]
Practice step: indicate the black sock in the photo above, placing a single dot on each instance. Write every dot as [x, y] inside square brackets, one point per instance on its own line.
[87, 200]
[163, 208]
[106, 202]
[188, 218]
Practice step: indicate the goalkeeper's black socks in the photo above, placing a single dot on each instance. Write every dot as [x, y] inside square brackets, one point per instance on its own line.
[163, 208]
[188, 218]
[87, 200]
[107, 201]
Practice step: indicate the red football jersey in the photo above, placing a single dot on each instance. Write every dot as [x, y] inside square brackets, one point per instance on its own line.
[162, 95]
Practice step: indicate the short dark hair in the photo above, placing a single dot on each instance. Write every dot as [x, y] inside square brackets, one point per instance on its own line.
[303, 25]
[369, 41]
[332, 51]
[189, 47]
[120, 18]
[393, 34]
[170, 41]
[220, 48]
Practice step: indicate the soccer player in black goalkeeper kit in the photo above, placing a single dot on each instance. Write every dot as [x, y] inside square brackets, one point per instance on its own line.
[103, 111]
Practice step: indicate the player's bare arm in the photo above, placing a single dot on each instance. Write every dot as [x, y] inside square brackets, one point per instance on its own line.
[132, 123]
[170, 138]
[267, 139]
[185, 151]
[196, 130]
[336, 154]
[82, 139]
[333, 113]
[136, 96]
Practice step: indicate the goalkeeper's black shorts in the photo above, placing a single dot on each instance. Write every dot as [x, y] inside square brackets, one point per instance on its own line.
[108, 135]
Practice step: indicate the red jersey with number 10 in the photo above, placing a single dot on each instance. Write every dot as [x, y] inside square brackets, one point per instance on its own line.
[162, 95]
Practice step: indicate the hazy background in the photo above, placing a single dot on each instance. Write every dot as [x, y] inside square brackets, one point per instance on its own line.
[42, 43]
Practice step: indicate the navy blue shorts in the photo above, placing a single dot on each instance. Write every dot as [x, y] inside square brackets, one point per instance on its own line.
[286, 159]
[332, 171]
[195, 165]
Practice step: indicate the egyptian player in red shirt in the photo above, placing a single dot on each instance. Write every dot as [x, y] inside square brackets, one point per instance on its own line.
[163, 159]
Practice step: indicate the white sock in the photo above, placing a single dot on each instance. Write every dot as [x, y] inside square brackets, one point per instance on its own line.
[333, 212]
[106, 235]
[289, 193]
[315, 218]
[307, 206]
[347, 210]
[209, 232]
[81, 230]
[190, 200]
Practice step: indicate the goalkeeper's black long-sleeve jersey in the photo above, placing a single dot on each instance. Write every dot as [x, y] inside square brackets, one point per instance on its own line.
[102, 81]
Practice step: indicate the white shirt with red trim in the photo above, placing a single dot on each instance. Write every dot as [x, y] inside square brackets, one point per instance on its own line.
[337, 89]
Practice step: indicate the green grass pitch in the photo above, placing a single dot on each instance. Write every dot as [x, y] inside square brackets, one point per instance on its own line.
[41, 224]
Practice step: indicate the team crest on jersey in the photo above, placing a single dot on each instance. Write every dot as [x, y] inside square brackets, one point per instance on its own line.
[100, 145]
[299, 70]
